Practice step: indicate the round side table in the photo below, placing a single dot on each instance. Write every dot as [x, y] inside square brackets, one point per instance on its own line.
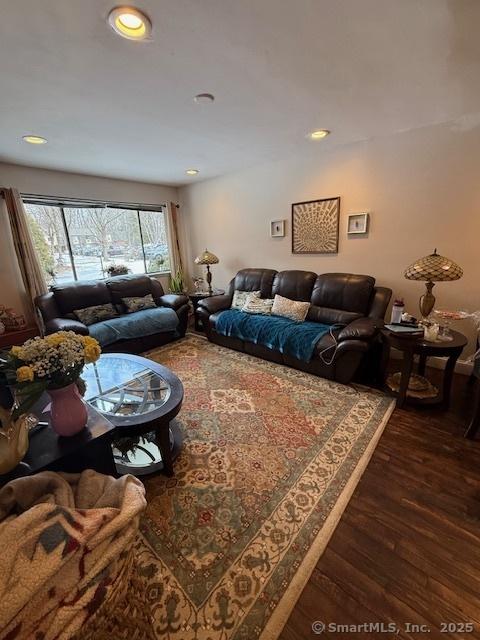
[410, 346]
[474, 425]
[195, 299]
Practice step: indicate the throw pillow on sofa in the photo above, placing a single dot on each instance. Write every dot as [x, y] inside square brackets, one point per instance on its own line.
[254, 304]
[292, 309]
[138, 304]
[240, 298]
[97, 313]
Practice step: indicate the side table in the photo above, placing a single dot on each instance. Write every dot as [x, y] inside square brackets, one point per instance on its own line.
[10, 338]
[195, 299]
[474, 425]
[89, 449]
[410, 346]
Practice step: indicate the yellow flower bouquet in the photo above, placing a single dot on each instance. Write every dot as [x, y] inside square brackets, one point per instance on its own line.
[47, 364]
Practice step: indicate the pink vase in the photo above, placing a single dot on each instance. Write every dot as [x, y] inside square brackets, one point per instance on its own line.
[68, 413]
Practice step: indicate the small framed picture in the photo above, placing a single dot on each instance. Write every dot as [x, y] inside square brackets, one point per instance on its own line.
[357, 223]
[277, 228]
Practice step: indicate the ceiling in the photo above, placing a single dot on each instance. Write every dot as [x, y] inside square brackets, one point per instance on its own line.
[278, 69]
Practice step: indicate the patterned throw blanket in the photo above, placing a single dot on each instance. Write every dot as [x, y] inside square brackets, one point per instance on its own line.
[296, 339]
[65, 543]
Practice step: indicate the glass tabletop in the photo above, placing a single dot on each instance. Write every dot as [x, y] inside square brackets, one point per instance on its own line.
[120, 387]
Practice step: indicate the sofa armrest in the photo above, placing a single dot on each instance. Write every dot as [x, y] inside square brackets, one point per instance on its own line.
[360, 329]
[47, 306]
[65, 324]
[380, 302]
[173, 301]
[215, 303]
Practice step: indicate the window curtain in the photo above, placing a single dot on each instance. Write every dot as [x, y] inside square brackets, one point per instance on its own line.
[173, 239]
[30, 268]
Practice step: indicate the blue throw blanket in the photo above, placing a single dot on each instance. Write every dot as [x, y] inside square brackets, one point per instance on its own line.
[297, 339]
[133, 325]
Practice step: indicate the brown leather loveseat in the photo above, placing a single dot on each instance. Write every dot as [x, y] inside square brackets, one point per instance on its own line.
[57, 307]
[351, 302]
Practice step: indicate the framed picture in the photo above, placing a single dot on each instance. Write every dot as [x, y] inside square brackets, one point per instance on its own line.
[315, 226]
[277, 228]
[357, 223]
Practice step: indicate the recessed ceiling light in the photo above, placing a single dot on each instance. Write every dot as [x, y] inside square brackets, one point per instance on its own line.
[191, 172]
[204, 97]
[34, 139]
[319, 134]
[130, 23]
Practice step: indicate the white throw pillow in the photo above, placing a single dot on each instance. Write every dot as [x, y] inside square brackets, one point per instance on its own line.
[254, 304]
[292, 309]
[240, 298]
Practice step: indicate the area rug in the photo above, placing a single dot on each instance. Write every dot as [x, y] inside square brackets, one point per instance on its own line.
[270, 459]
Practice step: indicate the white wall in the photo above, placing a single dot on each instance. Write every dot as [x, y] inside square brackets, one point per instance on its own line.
[66, 185]
[421, 188]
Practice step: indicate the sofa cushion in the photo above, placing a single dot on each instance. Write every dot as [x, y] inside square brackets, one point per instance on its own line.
[255, 304]
[79, 295]
[134, 286]
[255, 280]
[292, 309]
[97, 313]
[343, 291]
[134, 325]
[295, 285]
[240, 298]
[138, 304]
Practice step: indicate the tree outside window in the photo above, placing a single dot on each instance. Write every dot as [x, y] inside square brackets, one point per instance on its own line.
[82, 243]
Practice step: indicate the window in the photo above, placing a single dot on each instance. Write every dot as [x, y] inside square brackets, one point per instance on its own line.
[82, 242]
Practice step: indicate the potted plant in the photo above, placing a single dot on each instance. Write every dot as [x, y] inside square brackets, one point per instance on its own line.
[176, 282]
[116, 270]
[156, 264]
[52, 364]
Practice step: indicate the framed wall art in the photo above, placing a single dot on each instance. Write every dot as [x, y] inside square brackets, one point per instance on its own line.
[315, 226]
[277, 228]
[357, 223]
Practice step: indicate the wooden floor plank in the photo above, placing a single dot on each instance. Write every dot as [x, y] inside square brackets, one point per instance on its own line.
[407, 548]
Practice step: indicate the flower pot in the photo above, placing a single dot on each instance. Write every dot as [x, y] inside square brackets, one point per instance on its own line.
[68, 412]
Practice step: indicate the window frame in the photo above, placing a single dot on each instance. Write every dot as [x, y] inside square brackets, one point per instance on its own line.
[72, 203]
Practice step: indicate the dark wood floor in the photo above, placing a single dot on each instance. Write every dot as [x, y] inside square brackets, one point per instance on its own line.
[407, 548]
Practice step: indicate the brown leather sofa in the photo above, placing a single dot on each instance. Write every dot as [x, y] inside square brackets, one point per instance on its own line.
[352, 301]
[56, 308]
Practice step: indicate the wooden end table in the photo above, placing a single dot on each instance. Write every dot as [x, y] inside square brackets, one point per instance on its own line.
[410, 346]
[131, 403]
[89, 449]
[195, 299]
[474, 425]
[10, 338]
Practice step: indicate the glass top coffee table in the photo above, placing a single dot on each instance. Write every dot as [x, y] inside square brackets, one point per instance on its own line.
[140, 398]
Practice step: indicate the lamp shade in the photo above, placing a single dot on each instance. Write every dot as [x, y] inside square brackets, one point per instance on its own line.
[434, 268]
[206, 258]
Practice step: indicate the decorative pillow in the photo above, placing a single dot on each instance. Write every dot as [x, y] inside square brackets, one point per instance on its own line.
[97, 313]
[138, 304]
[240, 298]
[292, 309]
[254, 304]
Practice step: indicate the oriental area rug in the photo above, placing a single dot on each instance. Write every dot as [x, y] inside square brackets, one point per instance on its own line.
[270, 459]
